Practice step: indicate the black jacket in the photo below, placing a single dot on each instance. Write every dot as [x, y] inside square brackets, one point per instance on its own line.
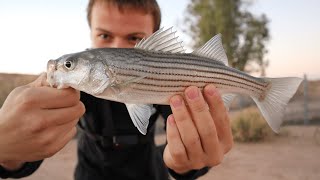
[111, 147]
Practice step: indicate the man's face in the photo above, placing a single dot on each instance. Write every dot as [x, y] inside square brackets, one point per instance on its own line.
[115, 29]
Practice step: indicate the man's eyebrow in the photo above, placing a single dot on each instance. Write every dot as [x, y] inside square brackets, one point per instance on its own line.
[131, 34]
[137, 33]
[100, 29]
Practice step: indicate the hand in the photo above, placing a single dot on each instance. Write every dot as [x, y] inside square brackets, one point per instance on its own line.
[198, 132]
[36, 121]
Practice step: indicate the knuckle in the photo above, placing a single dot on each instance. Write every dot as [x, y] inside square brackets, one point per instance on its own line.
[27, 100]
[77, 111]
[228, 146]
[181, 116]
[74, 94]
[39, 124]
[179, 156]
[46, 140]
[198, 165]
[199, 106]
[193, 141]
[19, 89]
[82, 108]
[50, 151]
[70, 95]
[219, 101]
[73, 132]
[207, 133]
[216, 160]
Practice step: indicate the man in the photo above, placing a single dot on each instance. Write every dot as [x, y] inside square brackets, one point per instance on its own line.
[198, 135]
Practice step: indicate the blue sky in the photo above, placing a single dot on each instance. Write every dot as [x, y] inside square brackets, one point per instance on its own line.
[34, 31]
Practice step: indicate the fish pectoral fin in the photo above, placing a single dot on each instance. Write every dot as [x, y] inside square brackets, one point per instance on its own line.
[227, 99]
[162, 41]
[213, 49]
[140, 114]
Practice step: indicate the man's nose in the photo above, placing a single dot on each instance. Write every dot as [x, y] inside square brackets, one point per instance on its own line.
[120, 43]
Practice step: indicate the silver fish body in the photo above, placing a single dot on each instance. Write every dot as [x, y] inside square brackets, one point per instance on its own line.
[145, 77]
[157, 69]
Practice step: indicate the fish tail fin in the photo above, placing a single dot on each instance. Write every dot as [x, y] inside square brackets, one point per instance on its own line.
[272, 104]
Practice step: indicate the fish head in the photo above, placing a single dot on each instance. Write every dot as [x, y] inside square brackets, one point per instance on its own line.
[80, 71]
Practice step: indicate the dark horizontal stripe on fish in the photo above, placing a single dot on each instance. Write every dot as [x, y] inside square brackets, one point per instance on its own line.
[176, 56]
[258, 86]
[189, 59]
[173, 91]
[232, 74]
[213, 81]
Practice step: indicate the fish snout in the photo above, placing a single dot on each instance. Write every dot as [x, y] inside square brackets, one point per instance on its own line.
[51, 68]
[52, 65]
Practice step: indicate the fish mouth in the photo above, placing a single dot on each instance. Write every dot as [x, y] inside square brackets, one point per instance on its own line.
[51, 68]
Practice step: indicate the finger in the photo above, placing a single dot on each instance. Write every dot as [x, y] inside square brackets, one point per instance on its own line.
[187, 130]
[177, 150]
[170, 163]
[52, 134]
[60, 143]
[48, 98]
[63, 115]
[219, 115]
[202, 118]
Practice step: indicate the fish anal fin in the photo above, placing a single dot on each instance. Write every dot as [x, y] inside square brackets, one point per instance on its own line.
[140, 114]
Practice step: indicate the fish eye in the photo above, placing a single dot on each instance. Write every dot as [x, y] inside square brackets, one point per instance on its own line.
[68, 64]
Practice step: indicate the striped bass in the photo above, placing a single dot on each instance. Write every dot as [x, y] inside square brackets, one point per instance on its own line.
[157, 68]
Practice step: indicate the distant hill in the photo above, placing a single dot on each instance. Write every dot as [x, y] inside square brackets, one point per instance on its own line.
[9, 81]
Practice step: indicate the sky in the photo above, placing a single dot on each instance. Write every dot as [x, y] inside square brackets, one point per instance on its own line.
[35, 31]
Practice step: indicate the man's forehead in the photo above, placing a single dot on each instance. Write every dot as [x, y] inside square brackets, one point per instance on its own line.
[109, 18]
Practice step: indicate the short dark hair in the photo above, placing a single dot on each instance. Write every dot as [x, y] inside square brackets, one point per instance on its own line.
[147, 6]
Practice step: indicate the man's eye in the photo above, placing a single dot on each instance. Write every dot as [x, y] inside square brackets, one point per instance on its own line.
[134, 39]
[104, 36]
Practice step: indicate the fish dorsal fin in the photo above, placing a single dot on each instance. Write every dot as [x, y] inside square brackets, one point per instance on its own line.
[163, 41]
[213, 49]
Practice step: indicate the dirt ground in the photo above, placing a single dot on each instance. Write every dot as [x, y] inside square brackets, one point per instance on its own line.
[292, 156]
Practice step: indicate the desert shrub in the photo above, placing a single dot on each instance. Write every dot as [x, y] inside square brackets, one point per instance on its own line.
[248, 125]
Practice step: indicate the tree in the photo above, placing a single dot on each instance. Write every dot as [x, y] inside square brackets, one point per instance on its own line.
[244, 35]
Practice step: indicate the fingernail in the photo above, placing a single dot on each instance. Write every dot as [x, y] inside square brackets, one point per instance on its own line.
[192, 93]
[171, 120]
[211, 90]
[176, 101]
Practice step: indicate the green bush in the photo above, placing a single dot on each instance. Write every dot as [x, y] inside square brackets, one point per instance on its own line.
[248, 125]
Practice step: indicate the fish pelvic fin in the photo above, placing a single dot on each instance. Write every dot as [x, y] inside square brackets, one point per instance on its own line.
[273, 101]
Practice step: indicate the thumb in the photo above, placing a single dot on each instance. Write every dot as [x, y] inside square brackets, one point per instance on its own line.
[40, 81]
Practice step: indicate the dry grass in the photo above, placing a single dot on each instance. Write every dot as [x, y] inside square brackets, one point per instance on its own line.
[248, 125]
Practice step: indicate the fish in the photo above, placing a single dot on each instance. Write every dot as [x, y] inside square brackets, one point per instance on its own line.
[158, 68]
